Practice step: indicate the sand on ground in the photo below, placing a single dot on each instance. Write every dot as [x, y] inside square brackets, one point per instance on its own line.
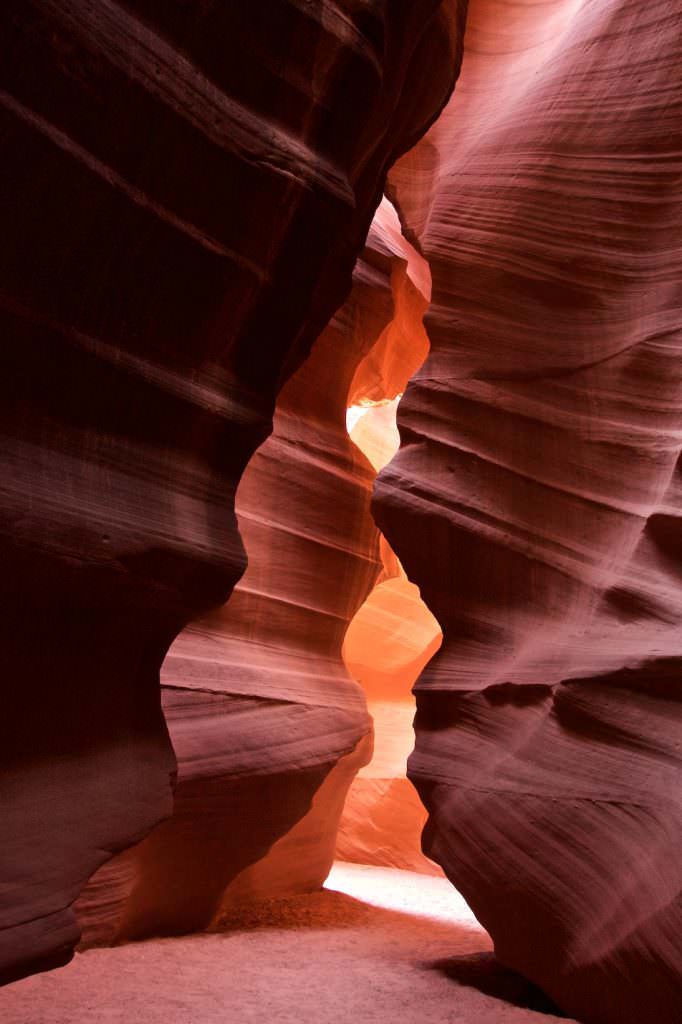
[376, 945]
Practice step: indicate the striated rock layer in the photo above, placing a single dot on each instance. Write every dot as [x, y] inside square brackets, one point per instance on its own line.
[387, 644]
[182, 210]
[259, 696]
[536, 496]
[259, 703]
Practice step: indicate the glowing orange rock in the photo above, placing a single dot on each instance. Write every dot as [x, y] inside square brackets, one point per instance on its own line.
[393, 634]
[266, 720]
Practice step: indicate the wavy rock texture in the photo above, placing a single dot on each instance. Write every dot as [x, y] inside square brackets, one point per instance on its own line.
[392, 634]
[389, 641]
[536, 496]
[386, 646]
[182, 210]
[259, 703]
[263, 713]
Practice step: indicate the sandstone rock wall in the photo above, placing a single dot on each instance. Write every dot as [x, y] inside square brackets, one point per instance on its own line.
[185, 189]
[393, 634]
[260, 706]
[536, 496]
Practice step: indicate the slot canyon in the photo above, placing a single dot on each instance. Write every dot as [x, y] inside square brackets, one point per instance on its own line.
[341, 511]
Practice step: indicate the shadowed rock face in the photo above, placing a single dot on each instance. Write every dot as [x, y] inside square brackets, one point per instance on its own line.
[393, 634]
[259, 703]
[536, 497]
[185, 188]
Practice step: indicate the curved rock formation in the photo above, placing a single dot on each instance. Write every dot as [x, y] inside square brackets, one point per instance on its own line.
[183, 208]
[393, 634]
[536, 496]
[391, 638]
[259, 704]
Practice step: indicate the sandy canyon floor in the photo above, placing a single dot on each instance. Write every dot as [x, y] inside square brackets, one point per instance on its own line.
[376, 945]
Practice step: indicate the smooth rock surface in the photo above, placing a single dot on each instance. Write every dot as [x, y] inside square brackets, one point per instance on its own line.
[185, 189]
[536, 496]
[263, 712]
[393, 634]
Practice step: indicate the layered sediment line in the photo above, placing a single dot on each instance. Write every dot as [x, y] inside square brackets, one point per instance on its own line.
[183, 210]
[266, 720]
[535, 498]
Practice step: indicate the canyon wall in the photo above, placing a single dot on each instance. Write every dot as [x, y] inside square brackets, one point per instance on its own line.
[263, 714]
[536, 496]
[185, 189]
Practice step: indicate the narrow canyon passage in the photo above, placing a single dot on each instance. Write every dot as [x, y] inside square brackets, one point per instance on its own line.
[392, 634]
[341, 511]
[388, 937]
[388, 642]
[378, 943]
